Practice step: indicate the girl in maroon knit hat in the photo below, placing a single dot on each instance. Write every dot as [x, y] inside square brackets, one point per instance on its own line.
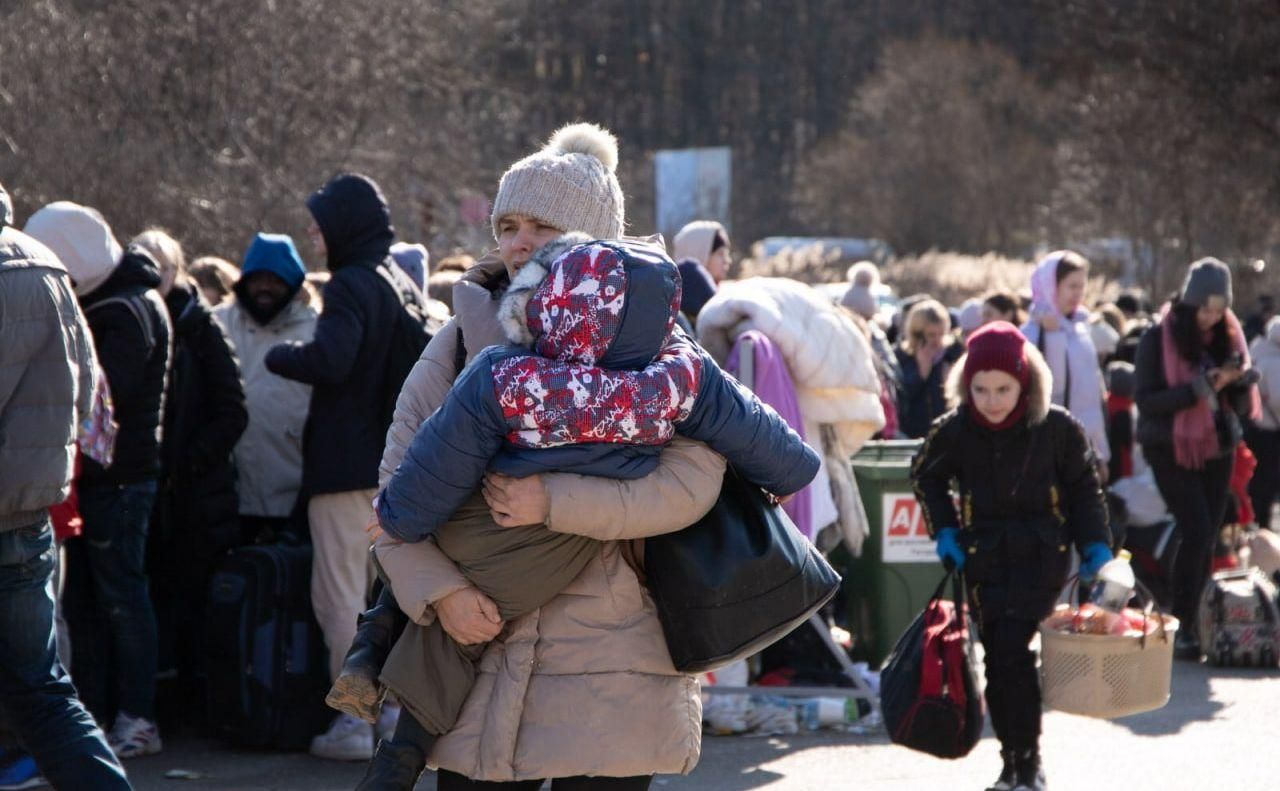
[1028, 489]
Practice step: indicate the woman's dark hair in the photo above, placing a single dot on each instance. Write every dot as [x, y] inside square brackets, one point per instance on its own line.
[1006, 302]
[719, 241]
[1187, 338]
[1069, 263]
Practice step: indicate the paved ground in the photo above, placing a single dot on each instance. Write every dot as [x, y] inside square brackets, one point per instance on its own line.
[1219, 731]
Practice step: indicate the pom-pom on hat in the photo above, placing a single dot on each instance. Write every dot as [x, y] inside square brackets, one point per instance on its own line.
[570, 184]
[997, 346]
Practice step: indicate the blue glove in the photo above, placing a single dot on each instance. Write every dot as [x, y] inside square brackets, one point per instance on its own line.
[948, 548]
[1093, 557]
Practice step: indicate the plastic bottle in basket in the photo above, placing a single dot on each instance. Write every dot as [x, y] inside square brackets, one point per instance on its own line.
[1114, 585]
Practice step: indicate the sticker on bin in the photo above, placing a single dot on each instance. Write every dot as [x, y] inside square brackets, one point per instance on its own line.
[905, 538]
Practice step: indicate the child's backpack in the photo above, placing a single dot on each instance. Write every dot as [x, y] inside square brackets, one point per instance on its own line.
[1239, 621]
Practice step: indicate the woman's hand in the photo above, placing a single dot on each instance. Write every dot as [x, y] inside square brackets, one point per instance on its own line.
[516, 502]
[469, 616]
[1222, 377]
[1048, 321]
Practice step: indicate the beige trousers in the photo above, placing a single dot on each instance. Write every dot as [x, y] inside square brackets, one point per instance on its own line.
[341, 572]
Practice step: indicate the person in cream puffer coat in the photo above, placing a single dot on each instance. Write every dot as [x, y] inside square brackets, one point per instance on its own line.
[833, 367]
[584, 685]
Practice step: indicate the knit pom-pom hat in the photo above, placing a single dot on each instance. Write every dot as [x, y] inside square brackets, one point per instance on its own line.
[570, 184]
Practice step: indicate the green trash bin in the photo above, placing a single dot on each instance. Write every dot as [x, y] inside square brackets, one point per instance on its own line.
[891, 582]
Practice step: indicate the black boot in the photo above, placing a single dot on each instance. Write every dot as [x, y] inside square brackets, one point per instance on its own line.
[395, 767]
[1008, 777]
[1029, 772]
[357, 690]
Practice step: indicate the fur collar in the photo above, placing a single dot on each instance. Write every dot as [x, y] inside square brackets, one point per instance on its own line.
[1038, 386]
[511, 311]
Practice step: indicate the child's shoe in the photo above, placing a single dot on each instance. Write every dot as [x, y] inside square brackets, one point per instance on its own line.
[1030, 773]
[1008, 775]
[357, 691]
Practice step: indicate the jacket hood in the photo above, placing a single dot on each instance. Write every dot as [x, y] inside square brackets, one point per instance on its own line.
[1039, 384]
[695, 239]
[593, 303]
[274, 253]
[187, 308]
[354, 218]
[6, 208]
[414, 261]
[1044, 284]
[136, 269]
[81, 239]
[697, 287]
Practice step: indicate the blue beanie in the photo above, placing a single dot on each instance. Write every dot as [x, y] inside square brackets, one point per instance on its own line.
[275, 253]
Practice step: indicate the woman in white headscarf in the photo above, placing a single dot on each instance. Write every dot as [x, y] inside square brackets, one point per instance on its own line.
[1059, 328]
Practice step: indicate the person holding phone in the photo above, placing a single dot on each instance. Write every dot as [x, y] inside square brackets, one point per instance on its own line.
[1194, 384]
[925, 356]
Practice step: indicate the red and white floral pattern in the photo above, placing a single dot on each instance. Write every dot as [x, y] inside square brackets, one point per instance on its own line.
[548, 403]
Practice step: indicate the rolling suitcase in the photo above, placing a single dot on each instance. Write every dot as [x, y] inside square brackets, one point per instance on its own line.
[268, 668]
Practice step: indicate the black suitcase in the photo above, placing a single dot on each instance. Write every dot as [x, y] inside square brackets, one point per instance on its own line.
[268, 668]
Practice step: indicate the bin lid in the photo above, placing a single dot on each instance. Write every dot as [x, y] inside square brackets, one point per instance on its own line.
[886, 453]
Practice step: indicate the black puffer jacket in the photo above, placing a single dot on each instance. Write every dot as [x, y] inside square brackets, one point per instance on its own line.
[346, 361]
[197, 505]
[133, 337]
[1026, 494]
[1158, 402]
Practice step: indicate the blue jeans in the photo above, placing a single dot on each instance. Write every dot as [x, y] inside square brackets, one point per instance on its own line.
[113, 625]
[35, 693]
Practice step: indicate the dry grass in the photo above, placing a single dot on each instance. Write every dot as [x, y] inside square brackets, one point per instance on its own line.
[813, 264]
[951, 278]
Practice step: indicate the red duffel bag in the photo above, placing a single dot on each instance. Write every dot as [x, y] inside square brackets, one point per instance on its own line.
[929, 692]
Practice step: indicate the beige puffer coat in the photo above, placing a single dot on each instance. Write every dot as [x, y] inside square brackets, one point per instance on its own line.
[584, 685]
[271, 446]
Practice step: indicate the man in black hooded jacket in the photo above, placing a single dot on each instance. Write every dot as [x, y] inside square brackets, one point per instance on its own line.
[347, 366]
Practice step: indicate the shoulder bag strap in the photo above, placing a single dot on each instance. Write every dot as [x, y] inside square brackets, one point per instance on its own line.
[136, 305]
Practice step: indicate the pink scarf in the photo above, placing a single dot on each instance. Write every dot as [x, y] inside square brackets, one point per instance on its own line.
[1195, 438]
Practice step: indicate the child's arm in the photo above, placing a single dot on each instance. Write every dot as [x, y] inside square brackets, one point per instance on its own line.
[446, 460]
[1083, 504]
[748, 433]
[932, 470]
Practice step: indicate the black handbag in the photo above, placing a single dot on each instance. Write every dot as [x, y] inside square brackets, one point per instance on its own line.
[735, 581]
[930, 697]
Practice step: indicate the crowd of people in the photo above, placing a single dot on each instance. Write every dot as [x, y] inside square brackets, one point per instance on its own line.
[158, 413]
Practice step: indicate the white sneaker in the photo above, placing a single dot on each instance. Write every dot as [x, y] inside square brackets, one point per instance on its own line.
[348, 739]
[385, 728]
[133, 737]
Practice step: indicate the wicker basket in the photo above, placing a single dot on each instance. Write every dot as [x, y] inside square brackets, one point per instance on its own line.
[1107, 676]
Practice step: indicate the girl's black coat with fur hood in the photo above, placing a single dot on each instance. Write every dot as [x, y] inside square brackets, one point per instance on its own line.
[1026, 494]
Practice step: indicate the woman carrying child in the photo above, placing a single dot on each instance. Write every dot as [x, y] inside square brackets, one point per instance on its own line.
[582, 689]
[1028, 490]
